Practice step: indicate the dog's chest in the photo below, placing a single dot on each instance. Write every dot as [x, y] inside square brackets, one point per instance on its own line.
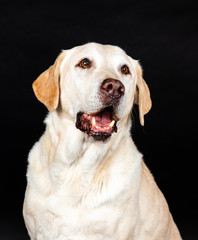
[59, 221]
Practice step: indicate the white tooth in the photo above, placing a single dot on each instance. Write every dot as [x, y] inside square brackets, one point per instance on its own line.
[112, 123]
[93, 122]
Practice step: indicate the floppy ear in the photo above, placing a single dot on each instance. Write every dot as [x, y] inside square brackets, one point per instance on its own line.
[142, 95]
[46, 86]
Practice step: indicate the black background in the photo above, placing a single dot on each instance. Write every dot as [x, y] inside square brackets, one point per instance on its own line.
[163, 35]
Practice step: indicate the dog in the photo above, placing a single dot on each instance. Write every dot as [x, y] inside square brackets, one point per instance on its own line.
[85, 177]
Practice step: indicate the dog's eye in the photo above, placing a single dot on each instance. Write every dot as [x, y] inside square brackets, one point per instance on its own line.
[85, 63]
[125, 69]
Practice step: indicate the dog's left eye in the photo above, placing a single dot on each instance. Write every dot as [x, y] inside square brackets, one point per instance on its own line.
[125, 69]
[85, 63]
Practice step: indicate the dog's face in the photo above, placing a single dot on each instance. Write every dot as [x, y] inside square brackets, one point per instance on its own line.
[96, 85]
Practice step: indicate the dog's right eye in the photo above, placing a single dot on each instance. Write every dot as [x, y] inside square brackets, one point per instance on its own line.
[85, 63]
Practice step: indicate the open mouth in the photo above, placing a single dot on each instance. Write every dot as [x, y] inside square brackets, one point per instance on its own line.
[98, 125]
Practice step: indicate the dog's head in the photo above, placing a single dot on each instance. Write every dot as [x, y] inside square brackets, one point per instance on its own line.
[96, 86]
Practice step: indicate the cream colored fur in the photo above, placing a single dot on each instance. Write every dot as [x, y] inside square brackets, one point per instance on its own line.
[81, 189]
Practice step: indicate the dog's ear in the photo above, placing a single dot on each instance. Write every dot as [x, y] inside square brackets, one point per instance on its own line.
[46, 86]
[142, 95]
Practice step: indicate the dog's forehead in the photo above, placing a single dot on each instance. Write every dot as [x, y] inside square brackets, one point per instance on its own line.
[98, 52]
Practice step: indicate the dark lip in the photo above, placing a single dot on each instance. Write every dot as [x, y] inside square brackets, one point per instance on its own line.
[98, 136]
[84, 125]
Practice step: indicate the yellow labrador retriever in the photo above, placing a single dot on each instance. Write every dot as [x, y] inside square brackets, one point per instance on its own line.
[86, 178]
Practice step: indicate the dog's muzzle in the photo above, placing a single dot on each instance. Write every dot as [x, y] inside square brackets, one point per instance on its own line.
[102, 124]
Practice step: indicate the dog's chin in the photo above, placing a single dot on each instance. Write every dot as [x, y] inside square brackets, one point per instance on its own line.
[99, 125]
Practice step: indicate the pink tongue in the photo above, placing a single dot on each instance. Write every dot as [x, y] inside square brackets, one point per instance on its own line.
[103, 119]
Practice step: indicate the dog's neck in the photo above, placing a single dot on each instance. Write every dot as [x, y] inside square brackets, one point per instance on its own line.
[83, 166]
[86, 151]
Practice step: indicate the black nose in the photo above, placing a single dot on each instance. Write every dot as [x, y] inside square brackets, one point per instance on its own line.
[113, 88]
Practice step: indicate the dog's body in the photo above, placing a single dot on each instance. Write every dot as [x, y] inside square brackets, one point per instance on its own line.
[86, 179]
